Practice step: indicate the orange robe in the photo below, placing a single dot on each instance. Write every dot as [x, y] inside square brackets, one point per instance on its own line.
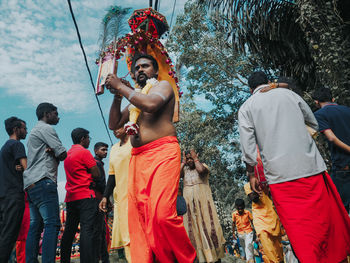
[157, 233]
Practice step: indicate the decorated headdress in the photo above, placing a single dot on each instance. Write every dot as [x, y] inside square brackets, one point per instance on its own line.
[147, 27]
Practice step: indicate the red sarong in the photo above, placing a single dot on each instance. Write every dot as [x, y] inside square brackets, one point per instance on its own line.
[157, 233]
[314, 218]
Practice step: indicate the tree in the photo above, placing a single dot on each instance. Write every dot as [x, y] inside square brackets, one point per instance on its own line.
[210, 67]
[304, 39]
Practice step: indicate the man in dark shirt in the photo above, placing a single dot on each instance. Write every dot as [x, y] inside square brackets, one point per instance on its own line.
[334, 123]
[13, 161]
[101, 150]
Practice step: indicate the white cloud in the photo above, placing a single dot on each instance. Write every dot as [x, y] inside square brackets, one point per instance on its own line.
[40, 56]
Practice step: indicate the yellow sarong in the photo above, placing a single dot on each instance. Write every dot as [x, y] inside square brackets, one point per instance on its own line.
[267, 226]
[119, 166]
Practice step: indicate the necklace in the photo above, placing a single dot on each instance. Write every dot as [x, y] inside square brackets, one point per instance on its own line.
[131, 126]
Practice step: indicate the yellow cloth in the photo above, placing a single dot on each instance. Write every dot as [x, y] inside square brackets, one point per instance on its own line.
[119, 166]
[267, 226]
[242, 222]
[272, 247]
[265, 217]
[201, 220]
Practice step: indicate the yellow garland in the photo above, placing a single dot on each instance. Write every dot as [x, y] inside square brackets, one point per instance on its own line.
[134, 112]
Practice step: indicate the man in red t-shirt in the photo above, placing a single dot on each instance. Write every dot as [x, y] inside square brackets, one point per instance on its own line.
[81, 168]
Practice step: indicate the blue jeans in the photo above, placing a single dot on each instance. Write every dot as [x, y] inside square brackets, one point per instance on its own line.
[341, 180]
[44, 214]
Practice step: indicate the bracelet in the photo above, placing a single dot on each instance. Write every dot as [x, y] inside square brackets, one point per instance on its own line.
[196, 160]
[132, 94]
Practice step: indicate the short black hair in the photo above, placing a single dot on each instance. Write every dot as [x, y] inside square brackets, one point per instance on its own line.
[143, 55]
[256, 79]
[78, 134]
[240, 202]
[43, 108]
[98, 145]
[11, 123]
[322, 94]
[291, 84]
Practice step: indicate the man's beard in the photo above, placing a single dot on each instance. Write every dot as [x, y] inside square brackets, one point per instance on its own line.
[142, 82]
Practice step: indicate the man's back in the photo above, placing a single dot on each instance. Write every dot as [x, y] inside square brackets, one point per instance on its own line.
[277, 119]
[11, 181]
[79, 160]
[337, 118]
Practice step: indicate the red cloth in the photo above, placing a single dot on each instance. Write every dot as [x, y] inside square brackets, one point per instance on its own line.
[21, 251]
[157, 233]
[314, 218]
[23, 232]
[259, 169]
[78, 161]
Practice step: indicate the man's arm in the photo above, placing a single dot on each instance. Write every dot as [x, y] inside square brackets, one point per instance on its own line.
[108, 192]
[117, 118]
[334, 139]
[55, 146]
[62, 156]
[254, 182]
[309, 117]
[20, 155]
[151, 102]
[23, 163]
[94, 171]
[248, 146]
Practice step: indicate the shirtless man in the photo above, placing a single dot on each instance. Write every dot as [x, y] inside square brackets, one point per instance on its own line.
[157, 233]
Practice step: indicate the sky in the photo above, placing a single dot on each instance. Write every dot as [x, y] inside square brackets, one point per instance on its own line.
[41, 61]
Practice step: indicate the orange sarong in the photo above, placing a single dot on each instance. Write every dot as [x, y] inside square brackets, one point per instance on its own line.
[157, 233]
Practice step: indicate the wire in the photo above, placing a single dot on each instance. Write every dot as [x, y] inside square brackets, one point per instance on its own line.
[172, 15]
[88, 69]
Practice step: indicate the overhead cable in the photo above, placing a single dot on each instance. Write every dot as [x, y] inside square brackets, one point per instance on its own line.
[88, 69]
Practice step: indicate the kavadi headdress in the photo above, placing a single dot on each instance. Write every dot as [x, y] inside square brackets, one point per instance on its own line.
[147, 26]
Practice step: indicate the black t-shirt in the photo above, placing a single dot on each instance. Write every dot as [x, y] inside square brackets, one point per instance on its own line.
[337, 118]
[11, 181]
[100, 182]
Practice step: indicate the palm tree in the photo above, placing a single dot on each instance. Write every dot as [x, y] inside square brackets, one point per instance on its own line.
[304, 39]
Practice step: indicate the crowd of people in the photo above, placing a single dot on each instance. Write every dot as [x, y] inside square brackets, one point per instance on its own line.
[145, 167]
